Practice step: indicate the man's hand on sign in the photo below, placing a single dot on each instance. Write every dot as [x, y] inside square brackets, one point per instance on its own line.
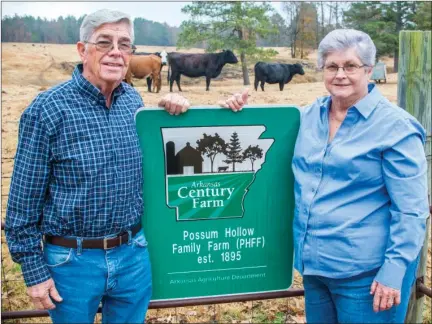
[236, 101]
[43, 293]
[174, 103]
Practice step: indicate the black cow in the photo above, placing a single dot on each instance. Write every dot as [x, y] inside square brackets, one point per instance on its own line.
[275, 73]
[198, 65]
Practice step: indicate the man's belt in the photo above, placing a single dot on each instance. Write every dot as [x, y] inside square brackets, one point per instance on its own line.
[105, 243]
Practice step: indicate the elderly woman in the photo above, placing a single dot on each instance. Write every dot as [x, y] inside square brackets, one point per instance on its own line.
[360, 190]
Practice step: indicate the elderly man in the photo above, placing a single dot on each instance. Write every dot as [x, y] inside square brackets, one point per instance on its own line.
[77, 182]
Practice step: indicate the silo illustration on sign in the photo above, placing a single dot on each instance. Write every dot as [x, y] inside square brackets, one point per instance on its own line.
[209, 169]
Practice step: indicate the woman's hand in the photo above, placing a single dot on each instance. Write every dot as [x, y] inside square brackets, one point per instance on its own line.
[174, 103]
[236, 101]
[384, 297]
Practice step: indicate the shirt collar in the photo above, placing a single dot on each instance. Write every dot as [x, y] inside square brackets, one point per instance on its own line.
[89, 89]
[325, 102]
[368, 103]
[364, 106]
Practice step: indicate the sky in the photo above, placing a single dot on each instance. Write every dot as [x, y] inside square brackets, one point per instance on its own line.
[160, 11]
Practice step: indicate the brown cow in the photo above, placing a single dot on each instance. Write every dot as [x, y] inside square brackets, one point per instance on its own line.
[142, 66]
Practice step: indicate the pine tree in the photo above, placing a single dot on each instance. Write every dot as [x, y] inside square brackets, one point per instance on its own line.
[383, 21]
[233, 151]
[234, 25]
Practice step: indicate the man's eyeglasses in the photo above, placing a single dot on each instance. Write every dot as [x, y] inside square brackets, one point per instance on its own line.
[106, 46]
[348, 68]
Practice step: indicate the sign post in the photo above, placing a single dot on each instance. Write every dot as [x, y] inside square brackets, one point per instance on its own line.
[219, 200]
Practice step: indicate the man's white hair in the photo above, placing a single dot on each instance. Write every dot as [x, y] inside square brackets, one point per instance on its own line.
[92, 22]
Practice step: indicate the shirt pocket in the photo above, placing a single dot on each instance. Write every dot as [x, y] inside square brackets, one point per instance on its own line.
[76, 158]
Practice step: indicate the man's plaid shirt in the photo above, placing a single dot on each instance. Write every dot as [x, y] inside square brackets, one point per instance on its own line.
[77, 171]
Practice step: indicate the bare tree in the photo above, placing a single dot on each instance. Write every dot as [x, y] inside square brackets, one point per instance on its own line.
[336, 9]
[307, 27]
[292, 11]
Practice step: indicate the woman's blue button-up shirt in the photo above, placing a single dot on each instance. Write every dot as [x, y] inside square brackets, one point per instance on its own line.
[361, 200]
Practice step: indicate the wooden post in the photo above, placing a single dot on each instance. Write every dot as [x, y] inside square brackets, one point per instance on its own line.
[414, 95]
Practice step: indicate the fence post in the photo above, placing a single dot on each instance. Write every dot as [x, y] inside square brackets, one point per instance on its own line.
[414, 95]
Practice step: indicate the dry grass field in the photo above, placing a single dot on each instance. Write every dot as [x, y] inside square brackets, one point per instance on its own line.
[28, 69]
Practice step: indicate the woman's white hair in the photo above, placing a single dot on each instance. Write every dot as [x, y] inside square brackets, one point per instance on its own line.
[104, 16]
[343, 39]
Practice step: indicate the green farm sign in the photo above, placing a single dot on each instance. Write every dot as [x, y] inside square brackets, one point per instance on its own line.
[219, 199]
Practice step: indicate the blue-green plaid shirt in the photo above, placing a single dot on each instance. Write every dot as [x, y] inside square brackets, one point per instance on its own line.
[77, 171]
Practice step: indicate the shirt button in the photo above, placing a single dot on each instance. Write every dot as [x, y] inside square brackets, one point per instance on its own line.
[94, 102]
[313, 189]
[305, 209]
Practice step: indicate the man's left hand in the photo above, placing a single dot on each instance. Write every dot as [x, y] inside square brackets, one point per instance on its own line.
[174, 103]
[384, 297]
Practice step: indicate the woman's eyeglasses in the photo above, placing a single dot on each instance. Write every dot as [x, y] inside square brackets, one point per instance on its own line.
[348, 68]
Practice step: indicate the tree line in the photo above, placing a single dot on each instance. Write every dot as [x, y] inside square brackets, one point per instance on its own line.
[212, 145]
[65, 30]
[250, 28]
[301, 25]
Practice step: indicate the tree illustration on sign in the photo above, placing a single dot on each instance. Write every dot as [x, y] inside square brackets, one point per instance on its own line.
[233, 150]
[211, 146]
[253, 153]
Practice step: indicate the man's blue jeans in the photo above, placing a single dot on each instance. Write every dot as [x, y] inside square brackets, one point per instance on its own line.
[120, 278]
[349, 300]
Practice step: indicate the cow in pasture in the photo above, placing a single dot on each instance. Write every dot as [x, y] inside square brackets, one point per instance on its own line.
[275, 73]
[164, 58]
[197, 65]
[149, 79]
[145, 66]
[223, 169]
